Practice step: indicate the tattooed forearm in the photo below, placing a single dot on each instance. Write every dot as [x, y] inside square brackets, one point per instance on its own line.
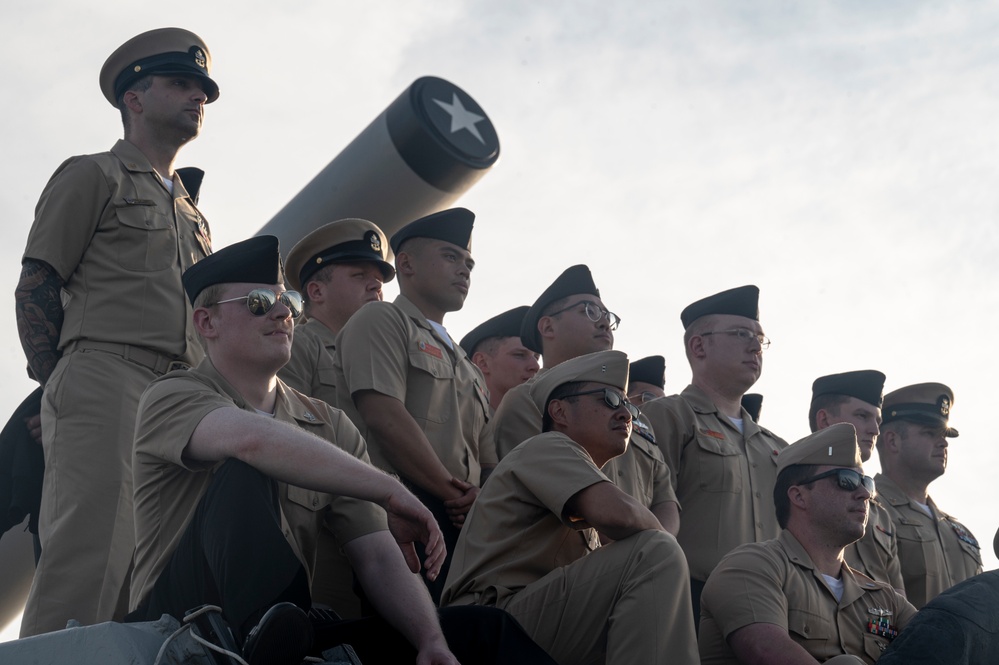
[38, 308]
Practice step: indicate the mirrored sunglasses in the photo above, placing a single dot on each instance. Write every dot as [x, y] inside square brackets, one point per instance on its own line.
[261, 301]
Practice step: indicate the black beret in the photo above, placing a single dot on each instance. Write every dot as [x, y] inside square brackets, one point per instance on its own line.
[741, 301]
[753, 404]
[341, 241]
[506, 324]
[257, 261]
[651, 369]
[453, 226]
[866, 385]
[922, 403]
[576, 279]
[162, 51]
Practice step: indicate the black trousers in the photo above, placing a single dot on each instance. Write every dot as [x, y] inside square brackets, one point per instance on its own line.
[696, 588]
[476, 635]
[232, 554]
[450, 533]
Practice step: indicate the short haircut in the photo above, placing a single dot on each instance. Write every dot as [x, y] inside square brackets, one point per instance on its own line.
[786, 479]
[827, 402]
[414, 246]
[559, 393]
[209, 296]
[488, 346]
[556, 305]
[139, 85]
[699, 326]
[323, 276]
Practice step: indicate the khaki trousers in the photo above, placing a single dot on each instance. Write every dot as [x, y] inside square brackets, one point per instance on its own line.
[85, 523]
[626, 604]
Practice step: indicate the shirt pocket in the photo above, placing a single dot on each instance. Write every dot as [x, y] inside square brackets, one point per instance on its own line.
[429, 387]
[309, 500]
[327, 377]
[718, 465]
[915, 545]
[810, 630]
[146, 238]
[875, 645]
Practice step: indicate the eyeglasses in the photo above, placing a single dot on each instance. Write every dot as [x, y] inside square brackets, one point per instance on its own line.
[744, 334]
[613, 399]
[261, 301]
[642, 397]
[594, 312]
[847, 479]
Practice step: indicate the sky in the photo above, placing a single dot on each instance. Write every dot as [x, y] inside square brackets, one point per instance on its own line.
[839, 155]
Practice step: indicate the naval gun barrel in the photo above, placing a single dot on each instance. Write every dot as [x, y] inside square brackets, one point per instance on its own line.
[419, 156]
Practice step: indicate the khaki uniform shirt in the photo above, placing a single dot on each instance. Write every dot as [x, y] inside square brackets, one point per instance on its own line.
[120, 242]
[640, 472]
[168, 487]
[876, 554]
[723, 479]
[935, 552]
[776, 582]
[392, 349]
[516, 532]
[310, 370]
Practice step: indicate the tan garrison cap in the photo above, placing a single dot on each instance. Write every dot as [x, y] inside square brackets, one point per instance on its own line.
[161, 51]
[922, 403]
[835, 445]
[608, 367]
[342, 241]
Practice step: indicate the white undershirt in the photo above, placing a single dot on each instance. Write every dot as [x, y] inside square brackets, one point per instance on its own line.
[835, 585]
[168, 183]
[925, 507]
[738, 424]
[442, 332]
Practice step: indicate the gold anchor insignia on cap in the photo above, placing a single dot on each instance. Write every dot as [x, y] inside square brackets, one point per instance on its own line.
[199, 58]
[376, 243]
[944, 405]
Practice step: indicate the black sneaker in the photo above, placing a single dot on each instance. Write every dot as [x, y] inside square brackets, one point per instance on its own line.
[283, 636]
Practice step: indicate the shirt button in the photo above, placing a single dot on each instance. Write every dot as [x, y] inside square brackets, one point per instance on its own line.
[315, 501]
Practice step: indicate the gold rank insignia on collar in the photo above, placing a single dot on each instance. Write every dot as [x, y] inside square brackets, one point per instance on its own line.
[308, 416]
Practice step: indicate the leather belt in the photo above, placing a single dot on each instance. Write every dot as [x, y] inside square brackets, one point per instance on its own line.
[157, 363]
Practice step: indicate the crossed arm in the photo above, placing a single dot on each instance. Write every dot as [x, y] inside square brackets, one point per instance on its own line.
[407, 449]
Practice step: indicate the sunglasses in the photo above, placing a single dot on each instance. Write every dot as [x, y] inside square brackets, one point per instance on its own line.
[847, 479]
[613, 399]
[261, 301]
